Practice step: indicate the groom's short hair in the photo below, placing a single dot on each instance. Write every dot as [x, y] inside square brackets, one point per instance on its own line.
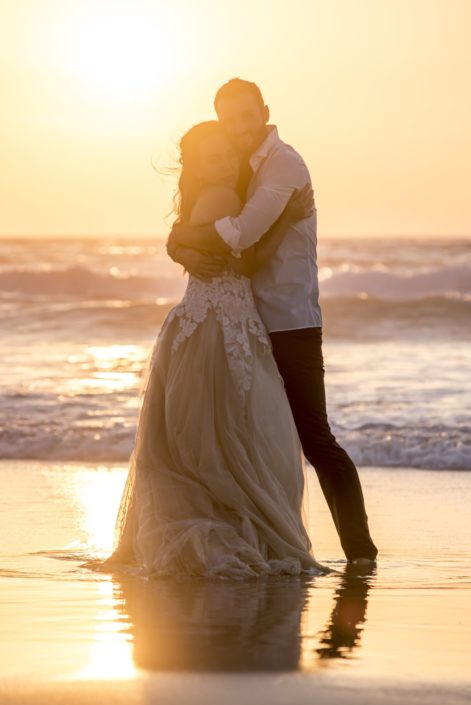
[236, 86]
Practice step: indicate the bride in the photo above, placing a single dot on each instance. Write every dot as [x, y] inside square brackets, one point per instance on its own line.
[216, 477]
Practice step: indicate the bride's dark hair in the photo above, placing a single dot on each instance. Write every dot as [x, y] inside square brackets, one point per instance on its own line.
[189, 184]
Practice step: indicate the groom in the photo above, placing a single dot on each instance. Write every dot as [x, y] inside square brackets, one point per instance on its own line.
[286, 293]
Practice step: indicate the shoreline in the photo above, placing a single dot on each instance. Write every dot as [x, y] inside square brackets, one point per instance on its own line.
[122, 463]
[204, 689]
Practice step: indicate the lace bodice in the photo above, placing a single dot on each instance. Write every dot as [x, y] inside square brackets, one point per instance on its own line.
[230, 297]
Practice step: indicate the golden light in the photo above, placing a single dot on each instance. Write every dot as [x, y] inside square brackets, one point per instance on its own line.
[105, 369]
[111, 652]
[98, 495]
[118, 51]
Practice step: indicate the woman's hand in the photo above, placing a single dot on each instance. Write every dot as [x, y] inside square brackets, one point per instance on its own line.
[300, 205]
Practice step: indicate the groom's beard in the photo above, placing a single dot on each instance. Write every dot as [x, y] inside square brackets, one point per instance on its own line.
[245, 176]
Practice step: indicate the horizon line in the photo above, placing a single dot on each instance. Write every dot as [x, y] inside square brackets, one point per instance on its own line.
[64, 236]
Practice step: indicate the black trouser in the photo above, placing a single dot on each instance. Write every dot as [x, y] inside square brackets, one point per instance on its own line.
[298, 354]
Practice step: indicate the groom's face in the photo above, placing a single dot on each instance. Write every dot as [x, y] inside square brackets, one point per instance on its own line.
[244, 120]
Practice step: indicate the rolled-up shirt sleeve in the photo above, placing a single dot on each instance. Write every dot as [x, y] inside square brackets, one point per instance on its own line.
[265, 206]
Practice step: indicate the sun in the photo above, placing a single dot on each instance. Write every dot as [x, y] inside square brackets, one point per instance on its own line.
[118, 52]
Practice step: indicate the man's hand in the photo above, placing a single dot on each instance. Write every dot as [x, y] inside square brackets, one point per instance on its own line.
[172, 243]
[300, 205]
[202, 266]
[204, 238]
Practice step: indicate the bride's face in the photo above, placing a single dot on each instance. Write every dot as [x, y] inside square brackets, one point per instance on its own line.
[218, 163]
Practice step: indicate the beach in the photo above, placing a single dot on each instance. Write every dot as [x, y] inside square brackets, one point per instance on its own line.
[325, 149]
[401, 633]
[80, 320]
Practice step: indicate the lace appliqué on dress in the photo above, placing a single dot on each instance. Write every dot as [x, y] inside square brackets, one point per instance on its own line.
[230, 297]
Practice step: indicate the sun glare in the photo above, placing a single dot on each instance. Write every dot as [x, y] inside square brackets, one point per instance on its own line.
[98, 496]
[111, 651]
[118, 52]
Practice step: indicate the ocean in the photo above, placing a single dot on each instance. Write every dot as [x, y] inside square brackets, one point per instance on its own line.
[79, 317]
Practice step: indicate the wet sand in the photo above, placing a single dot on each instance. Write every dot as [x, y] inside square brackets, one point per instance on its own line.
[398, 634]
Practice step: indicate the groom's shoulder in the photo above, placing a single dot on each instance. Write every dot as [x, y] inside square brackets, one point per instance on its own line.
[284, 156]
[287, 153]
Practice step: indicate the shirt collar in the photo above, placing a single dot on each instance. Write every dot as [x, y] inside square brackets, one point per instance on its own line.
[265, 148]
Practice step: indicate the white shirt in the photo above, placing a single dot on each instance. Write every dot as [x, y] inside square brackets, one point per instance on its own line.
[286, 288]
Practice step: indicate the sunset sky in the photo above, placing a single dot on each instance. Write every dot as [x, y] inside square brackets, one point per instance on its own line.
[375, 94]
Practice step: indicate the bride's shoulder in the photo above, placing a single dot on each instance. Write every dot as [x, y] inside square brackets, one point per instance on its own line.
[215, 202]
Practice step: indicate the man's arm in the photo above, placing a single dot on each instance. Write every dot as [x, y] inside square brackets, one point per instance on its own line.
[258, 215]
[198, 237]
[300, 206]
[284, 174]
[202, 265]
[214, 202]
[199, 263]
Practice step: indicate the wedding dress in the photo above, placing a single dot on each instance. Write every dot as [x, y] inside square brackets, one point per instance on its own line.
[216, 477]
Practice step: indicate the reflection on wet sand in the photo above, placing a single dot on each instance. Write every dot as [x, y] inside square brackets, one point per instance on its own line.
[205, 625]
[343, 631]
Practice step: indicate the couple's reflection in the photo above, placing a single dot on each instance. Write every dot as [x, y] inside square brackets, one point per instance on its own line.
[342, 632]
[208, 625]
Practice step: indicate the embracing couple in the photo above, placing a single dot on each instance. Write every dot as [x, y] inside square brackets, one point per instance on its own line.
[234, 390]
